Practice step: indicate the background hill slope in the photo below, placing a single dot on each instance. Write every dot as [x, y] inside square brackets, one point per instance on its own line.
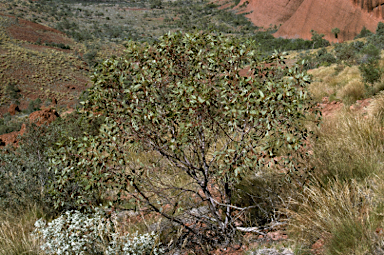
[296, 18]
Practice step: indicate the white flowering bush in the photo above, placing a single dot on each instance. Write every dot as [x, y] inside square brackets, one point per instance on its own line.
[78, 233]
[135, 244]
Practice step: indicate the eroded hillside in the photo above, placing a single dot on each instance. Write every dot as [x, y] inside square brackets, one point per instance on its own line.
[296, 18]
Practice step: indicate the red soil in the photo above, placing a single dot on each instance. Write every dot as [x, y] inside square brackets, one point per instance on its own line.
[45, 116]
[32, 32]
[298, 17]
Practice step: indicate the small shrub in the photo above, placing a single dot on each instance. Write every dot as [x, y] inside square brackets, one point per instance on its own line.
[156, 4]
[380, 29]
[8, 125]
[364, 33]
[78, 233]
[369, 52]
[314, 60]
[358, 45]
[345, 52]
[34, 105]
[13, 91]
[371, 72]
[318, 40]
[325, 58]
[24, 171]
[90, 58]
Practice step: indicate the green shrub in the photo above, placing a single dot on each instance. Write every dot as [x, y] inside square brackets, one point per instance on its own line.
[371, 71]
[13, 91]
[8, 125]
[90, 58]
[369, 52]
[314, 60]
[345, 52]
[364, 33]
[180, 116]
[24, 172]
[156, 4]
[34, 105]
[380, 29]
[318, 41]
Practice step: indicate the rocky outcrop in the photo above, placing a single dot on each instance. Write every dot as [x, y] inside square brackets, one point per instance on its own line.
[45, 116]
[296, 18]
[11, 138]
[374, 6]
[13, 109]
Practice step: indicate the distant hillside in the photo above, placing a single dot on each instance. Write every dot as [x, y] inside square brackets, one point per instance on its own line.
[296, 18]
[38, 62]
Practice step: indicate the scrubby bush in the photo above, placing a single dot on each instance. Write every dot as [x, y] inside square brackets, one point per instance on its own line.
[364, 33]
[12, 91]
[345, 52]
[78, 233]
[371, 71]
[378, 38]
[380, 29]
[318, 40]
[369, 53]
[9, 124]
[320, 58]
[156, 4]
[268, 43]
[34, 105]
[24, 171]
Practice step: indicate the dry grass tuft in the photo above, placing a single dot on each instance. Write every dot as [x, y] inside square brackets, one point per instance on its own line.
[352, 91]
[376, 108]
[348, 147]
[338, 213]
[15, 232]
[346, 85]
[344, 203]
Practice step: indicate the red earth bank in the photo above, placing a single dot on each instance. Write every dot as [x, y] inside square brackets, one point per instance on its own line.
[298, 17]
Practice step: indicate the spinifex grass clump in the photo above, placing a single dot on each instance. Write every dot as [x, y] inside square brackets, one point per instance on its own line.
[182, 129]
[15, 231]
[337, 213]
[342, 207]
[349, 147]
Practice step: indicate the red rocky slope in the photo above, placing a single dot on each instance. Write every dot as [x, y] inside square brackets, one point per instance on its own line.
[298, 17]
